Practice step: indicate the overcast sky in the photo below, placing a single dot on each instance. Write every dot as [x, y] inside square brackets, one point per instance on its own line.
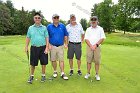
[81, 8]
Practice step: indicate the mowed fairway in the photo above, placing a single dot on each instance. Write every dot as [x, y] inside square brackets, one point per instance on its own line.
[120, 69]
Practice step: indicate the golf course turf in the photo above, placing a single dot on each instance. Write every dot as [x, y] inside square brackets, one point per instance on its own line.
[119, 71]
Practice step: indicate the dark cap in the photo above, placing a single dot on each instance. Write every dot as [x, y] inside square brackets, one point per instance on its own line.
[94, 18]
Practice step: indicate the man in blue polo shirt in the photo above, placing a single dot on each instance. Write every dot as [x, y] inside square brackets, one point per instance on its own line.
[57, 35]
[38, 35]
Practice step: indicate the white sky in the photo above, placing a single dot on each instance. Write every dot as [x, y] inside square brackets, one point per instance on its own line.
[81, 8]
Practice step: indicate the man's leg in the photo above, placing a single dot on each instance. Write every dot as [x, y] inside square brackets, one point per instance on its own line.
[97, 58]
[54, 64]
[71, 63]
[32, 70]
[88, 70]
[88, 67]
[61, 64]
[97, 68]
[79, 64]
[43, 69]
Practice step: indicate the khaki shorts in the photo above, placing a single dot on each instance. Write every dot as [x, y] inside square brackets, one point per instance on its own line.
[57, 53]
[93, 56]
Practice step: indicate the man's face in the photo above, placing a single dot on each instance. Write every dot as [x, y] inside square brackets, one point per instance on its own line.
[55, 19]
[94, 23]
[73, 19]
[37, 19]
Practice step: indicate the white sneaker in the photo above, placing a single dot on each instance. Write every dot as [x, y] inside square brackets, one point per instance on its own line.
[55, 74]
[97, 77]
[64, 77]
[87, 76]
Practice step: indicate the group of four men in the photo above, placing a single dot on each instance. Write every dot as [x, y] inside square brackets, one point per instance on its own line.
[56, 37]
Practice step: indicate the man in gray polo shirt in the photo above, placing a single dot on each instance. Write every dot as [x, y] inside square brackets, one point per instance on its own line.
[75, 37]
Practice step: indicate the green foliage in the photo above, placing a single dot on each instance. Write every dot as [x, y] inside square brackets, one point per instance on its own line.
[122, 16]
[16, 22]
[84, 23]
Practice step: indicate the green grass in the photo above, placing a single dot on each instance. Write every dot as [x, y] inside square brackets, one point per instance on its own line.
[119, 69]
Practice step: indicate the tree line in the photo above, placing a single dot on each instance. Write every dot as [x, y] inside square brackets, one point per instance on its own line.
[123, 16]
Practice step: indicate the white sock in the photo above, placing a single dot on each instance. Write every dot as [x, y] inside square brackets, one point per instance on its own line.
[43, 74]
[71, 69]
[32, 75]
[62, 73]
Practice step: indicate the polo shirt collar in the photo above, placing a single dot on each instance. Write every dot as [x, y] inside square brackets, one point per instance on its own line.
[38, 26]
[58, 24]
[95, 27]
[72, 25]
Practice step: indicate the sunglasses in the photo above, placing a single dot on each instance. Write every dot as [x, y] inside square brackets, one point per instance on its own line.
[93, 19]
[37, 17]
[56, 17]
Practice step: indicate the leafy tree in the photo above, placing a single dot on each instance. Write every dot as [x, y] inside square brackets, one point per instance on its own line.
[83, 22]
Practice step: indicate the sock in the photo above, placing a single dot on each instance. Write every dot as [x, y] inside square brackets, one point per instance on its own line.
[55, 71]
[62, 73]
[43, 74]
[32, 75]
[71, 69]
[78, 69]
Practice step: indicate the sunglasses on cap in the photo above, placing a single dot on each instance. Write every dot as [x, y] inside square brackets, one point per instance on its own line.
[37, 17]
[57, 17]
[93, 19]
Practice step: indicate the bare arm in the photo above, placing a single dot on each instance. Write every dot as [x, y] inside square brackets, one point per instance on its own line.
[100, 41]
[47, 45]
[66, 41]
[27, 44]
[83, 35]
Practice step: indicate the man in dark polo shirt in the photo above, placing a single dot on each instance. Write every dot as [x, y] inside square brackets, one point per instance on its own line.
[57, 35]
[38, 35]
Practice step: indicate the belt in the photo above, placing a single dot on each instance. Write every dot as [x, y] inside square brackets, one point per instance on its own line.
[38, 46]
[75, 42]
[57, 45]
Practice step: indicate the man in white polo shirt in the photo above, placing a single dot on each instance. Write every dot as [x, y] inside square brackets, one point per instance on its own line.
[75, 37]
[94, 36]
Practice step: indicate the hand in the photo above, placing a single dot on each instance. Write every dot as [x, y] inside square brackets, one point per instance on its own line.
[66, 46]
[46, 50]
[26, 49]
[50, 47]
[93, 47]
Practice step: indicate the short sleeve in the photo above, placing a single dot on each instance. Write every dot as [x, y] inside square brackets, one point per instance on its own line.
[29, 33]
[65, 31]
[102, 34]
[46, 32]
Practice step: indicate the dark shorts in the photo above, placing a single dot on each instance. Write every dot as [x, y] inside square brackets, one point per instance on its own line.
[36, 54]
[74, 49]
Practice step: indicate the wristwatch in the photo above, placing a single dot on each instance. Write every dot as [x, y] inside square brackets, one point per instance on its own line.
[97, 45]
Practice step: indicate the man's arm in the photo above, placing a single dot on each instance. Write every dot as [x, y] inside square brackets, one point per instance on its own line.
[66, 41]
[47, 45]
[89, 44]
[27, 44]
[83, 36]
[100, 41]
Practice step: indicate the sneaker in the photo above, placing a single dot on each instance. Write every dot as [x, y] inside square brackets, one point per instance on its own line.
[43, 79]
[79, 72]
[97, 77]
[30, 80]
[71, 72]
[55, 74]
[64, 77]
[87, 76]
